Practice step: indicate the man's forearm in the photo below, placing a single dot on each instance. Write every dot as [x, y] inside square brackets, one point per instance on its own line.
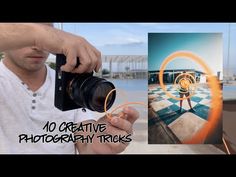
[19, 35]
[13, 35]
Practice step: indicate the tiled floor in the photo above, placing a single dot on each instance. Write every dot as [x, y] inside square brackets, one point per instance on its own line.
[186, 126]
[168, 108]
[187, 122]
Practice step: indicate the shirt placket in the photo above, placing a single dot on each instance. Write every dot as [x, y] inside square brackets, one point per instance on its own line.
[34, 97]
[34, 101]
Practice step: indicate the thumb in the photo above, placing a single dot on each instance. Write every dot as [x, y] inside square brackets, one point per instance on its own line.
[132, 114]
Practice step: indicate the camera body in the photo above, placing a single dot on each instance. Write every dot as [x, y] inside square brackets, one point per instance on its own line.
[73, 91]
[62, 98]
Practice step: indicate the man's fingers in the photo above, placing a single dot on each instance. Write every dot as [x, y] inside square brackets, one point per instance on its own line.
[99, 61]
[96, 57]
[71, 61]
[97, 53]
[132, 114]
[85, 62]
[122, 124]
[114, 139]
[119, 138]
[112, 130]
[89, 57]
[94, 60]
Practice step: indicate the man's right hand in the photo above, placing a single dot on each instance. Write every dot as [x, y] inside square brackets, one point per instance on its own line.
[89, 56]
[72, 46]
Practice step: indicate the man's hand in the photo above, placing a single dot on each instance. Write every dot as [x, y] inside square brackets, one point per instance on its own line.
[47, 38]
[116, 126]
[72, 46]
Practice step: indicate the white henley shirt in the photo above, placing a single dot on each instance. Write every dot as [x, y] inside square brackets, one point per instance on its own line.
[23, 111]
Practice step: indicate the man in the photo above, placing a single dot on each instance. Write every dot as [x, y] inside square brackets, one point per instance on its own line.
[27, 92]
[184, 90]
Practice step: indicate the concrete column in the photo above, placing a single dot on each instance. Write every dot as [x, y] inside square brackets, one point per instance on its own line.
[110, 68]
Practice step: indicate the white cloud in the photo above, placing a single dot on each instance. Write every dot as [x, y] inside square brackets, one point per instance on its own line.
[122, 37]
[124, 41]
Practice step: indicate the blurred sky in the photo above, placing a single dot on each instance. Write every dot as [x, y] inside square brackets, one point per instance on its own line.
[132, 38]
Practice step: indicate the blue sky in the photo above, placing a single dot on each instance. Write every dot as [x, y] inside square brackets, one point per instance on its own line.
[131, 38]
[206, 45]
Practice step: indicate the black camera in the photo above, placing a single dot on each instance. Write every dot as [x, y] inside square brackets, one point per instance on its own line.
[74, 91]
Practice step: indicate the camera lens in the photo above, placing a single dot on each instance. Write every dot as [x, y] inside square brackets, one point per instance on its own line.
[90, 92]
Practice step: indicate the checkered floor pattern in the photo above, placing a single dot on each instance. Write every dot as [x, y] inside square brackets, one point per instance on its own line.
[168, 108]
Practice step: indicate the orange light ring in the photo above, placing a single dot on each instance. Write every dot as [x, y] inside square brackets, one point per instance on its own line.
[216, 101]
[186, 74]
[190, 95]
[109, 115]
[105, 103]
[191, 85]
[184, 81]
[190, 82]
[178, 85]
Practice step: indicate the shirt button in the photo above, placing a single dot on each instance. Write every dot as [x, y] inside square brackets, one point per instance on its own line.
[34, 94]
[33, 107]
[33, 101]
